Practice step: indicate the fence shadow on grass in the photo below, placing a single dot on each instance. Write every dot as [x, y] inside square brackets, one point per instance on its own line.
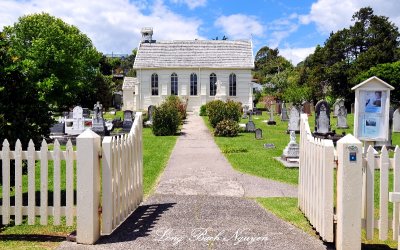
[139, 224]
[376, 247]
[32, 237]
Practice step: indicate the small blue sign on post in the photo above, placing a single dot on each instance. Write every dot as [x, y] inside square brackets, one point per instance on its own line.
[353, 156]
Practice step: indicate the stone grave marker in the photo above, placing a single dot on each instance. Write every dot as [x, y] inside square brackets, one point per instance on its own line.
[352, 108]
[336, 106]
[284, 114]
[98, 123]
[258, 134]
[294, 119]
[250, 126]
[128, 121]
[278, 107]
[245, 111]
[396, 121]
[292, 149]
[77, 116]
[322, 119]
[306, 109]
[86, 113]
[271, 120]
[342, 118]
[150, 112]
[269, 145]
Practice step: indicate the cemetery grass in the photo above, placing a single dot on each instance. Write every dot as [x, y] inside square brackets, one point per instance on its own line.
[156, 152]
[246, 154]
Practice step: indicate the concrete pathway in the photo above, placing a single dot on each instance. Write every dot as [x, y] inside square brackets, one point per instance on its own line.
[200, 203]
[197, 167]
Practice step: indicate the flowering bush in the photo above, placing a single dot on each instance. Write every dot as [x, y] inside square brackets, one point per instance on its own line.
[227, 128]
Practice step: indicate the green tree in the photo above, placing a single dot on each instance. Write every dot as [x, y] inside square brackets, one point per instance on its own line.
[56, 56]
[268, 62]
[390, 73]
[370, 41]
[23, 115]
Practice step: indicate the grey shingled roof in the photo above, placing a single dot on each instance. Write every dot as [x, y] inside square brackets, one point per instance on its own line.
[195, 54]
[129, 82]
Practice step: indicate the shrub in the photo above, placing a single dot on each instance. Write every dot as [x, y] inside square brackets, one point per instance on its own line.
[233, 110]
[179, 104]
[218, 110]
[227, 128]
[166, 119]
[215, 112]
[203, 110]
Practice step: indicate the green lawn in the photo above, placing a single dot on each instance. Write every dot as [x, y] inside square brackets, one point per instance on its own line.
[156, 151]
[247, 155]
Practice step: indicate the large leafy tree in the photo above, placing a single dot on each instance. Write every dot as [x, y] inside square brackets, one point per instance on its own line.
[370, 41]
[56, 56]
[23, 115]
[268, 62]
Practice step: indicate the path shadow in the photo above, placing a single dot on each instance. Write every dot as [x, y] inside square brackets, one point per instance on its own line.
[139, 224]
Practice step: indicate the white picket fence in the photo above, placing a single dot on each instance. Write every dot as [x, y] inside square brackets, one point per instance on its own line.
[56, 156]
[122, 179]
[316, 181]
[355, 189]
[122, 171]
[384, 164]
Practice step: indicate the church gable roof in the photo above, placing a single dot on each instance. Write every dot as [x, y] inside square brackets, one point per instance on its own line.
[195, 54]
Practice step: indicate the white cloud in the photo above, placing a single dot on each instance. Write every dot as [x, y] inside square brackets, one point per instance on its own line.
[112, 27]
[332, 15]
[296, 55]
[281, 28]
[239, 26]
[192, 4]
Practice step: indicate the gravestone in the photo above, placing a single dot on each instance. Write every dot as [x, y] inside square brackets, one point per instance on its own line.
[396, 121]
[306, 109]
[258, 134]
[342, 118]
[271, 120]
[294, 119]
[150, 113]
[245, 111]
[57, 128]
[86, 113]
[278, 107]
[336, 106]
[250, 126]
[128, 121]
[322, 119]
[78, 121]
[269, 145]
[292, 149]
[352, 109]
[250, 116]
[284, 114]
[388, 143]
[98, 123]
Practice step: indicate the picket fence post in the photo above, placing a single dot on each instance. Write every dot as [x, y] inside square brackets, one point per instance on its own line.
[88, 187]
[349, 193]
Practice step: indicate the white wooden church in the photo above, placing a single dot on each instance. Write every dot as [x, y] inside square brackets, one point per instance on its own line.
[191, 69]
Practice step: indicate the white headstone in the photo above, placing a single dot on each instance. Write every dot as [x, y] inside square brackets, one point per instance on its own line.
[294, 119]
[336, 106]
[78, 121]
[342, 118]
[396, 121]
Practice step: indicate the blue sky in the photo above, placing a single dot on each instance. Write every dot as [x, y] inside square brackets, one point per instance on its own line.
[295, 27]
